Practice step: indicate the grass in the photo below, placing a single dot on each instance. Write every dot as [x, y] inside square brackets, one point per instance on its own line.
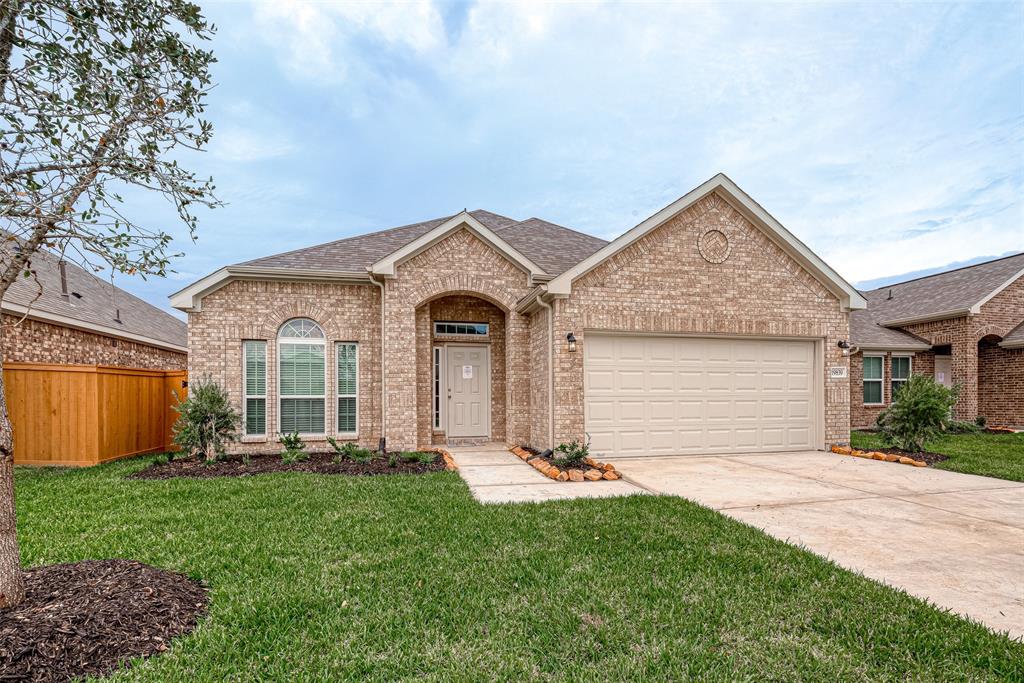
[990, 455]
[401, 577]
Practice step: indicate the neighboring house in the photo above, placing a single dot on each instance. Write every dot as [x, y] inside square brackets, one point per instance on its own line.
[964, 327]
[706, 328]
[66, 315]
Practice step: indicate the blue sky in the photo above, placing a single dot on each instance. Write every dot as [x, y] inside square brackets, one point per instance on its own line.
[889, 138]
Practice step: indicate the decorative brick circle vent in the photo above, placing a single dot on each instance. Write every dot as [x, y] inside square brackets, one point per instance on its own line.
[591, 470]
[893, 455]
[714, 246]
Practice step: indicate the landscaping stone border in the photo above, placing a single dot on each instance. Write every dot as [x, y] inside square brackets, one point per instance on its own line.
[600, 471]
[876, 455]
[449, 461]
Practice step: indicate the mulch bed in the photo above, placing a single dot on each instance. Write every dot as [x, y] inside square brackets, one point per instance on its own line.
[926, 456]
[553, 468]
[318, 463]
[89, 618]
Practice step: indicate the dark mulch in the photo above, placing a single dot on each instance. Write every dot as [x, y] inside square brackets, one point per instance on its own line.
[318, 463]
[89, 618]
[928, 457]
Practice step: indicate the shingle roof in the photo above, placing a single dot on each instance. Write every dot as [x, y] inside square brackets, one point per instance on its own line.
[553, 247]
[91, 301]
[933, 295]
[1014, 337]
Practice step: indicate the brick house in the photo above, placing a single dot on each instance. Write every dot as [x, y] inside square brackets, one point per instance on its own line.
[708, 327]
[964, 326]
[64, 315]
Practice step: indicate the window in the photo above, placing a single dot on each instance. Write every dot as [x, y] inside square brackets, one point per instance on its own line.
[437, 386]
[348, 387]
[873, 380]
[254, 366]
[900, 373]
[301, 377]
[479, 329]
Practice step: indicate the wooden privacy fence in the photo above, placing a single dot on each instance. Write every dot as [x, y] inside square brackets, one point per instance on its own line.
[79, 415]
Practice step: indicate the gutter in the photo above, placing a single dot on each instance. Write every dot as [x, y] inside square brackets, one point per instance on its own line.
[383, 366]
[930, 317]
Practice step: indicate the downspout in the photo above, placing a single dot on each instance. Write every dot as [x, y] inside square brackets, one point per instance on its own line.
[551, 368]
[383, 390]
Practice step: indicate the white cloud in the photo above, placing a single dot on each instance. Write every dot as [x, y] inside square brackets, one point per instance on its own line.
[237, 144]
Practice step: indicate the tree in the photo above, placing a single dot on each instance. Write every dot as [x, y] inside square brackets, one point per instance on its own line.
[96, 97]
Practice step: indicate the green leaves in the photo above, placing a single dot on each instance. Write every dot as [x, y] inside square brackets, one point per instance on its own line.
[920, 412]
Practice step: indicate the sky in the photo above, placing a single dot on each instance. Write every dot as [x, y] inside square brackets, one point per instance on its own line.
[888, 137]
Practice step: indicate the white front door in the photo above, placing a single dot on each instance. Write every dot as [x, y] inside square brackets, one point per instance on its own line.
[944, 370]
[469, 391]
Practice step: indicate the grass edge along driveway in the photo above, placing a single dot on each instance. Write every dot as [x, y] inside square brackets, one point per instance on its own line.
[989, 455]
[397, 577]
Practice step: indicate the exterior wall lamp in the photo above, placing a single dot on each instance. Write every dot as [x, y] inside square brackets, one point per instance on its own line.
[571, 339]
[845, 346]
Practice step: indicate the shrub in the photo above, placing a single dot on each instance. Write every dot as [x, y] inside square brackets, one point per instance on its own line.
[980, 421]
[571, 454]
[393, 460]
[294, 447]
[206, 421]
[920, 413]
[350, 451]
[426, 457]
[962, 427]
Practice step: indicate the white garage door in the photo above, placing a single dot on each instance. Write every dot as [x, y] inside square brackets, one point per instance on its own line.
[688, 395]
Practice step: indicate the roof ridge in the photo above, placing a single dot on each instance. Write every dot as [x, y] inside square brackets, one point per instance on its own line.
[945, 272]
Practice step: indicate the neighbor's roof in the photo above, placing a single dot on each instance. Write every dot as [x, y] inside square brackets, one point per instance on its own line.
[91, 304]
[951, 294]
[551, 246]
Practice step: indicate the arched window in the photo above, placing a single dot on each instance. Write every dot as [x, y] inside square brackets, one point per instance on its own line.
[302, 381]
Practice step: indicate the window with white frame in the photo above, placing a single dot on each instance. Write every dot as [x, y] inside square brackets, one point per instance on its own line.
[899, 373]
[477, 329]
[438, 374]
[347, 354]
[301, 377]
[873, 368]
[254, 367]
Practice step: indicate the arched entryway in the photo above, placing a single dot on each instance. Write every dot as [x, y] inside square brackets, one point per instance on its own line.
[461, 370]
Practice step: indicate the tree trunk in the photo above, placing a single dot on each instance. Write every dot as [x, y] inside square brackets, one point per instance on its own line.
[12, 583]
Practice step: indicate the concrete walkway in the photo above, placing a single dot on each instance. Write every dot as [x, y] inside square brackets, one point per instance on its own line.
[495, 475]
[956, 540]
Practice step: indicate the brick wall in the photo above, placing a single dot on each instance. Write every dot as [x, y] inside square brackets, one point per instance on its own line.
[33, 341]
[256, 310]
[661, 283]
[1001, 385]
[539, 374]
[862, 416]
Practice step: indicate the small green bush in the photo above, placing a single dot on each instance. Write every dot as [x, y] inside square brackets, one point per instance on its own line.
[571, 454]
[426, 457]
[920, 412]
[962, 427]
[294, 448]
[980, 421]
[393, 460]
[206, 421]
[350, 451]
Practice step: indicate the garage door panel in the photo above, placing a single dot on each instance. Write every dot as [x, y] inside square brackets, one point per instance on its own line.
[664, 395]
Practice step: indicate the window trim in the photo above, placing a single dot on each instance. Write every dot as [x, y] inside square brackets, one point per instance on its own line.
[437, 388]
[303, 341]
[881, 380]
[245, 386]
[438, 333]
[337, 390]
[892, 377]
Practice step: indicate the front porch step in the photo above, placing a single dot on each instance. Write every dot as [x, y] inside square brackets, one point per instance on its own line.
[470, 441]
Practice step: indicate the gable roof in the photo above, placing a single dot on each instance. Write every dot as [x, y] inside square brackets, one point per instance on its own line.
[1014, 338]
[951, 294]
[751, 210]
[92, 304]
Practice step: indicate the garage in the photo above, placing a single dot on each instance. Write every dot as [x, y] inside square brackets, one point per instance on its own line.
[648, 395]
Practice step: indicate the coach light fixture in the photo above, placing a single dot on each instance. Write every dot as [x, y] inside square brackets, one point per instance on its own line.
[571, 338]
[845, 346]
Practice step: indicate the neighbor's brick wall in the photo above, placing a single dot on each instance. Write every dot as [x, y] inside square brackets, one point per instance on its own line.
[862, 416]
[662, 284]
[460, 308]
[459, 264]
[256, 310]
[33, 341]
[1001, 385]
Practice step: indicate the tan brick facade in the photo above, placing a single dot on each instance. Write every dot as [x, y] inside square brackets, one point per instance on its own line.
[33, 341]
[662, 284]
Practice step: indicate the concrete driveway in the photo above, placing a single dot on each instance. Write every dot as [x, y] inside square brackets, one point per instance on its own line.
[955, 539]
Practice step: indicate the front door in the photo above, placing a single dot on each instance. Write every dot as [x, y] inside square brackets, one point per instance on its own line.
[944, 370]
[469, 391]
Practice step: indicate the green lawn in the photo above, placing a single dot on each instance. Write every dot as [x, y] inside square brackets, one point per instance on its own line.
[990, 455]
[401, 577]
